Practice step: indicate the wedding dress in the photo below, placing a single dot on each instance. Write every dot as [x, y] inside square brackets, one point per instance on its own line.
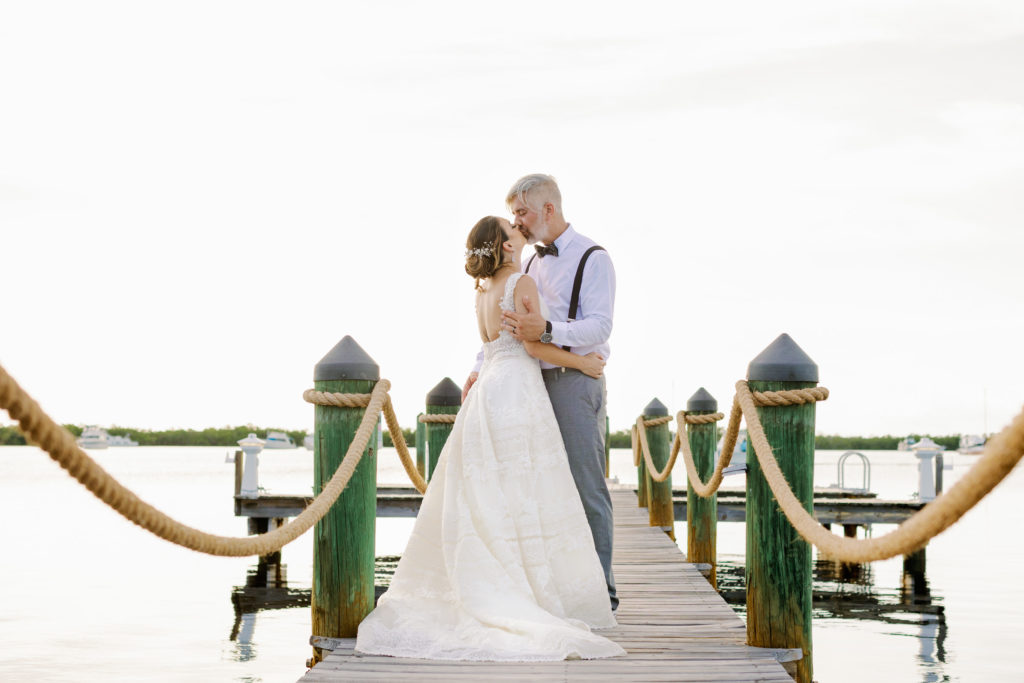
[501, 564]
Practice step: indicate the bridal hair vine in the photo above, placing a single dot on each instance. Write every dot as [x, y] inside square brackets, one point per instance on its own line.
[479, 251]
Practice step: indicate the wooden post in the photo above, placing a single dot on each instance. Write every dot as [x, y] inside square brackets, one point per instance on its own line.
[343, 544]
[659, 505]
[444, 399]
[778, 559]
[238, 473]
[702, 513]
[421, 446]
[643, 483]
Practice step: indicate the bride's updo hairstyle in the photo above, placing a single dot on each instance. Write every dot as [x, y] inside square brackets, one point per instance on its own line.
[483, 249]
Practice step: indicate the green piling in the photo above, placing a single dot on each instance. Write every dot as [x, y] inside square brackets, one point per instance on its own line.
[343, 545]
[659, 503]
[778, 559]
[702, 513]
[444, 399]
[421, 446]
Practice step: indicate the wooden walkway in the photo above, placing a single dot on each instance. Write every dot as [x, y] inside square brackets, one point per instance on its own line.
[672, 623]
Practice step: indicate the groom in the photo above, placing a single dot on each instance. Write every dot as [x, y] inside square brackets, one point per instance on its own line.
[576, 279]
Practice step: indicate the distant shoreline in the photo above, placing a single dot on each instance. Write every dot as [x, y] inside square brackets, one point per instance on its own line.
[230, 436]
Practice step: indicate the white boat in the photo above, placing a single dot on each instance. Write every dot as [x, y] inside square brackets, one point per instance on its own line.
[94, 437]
[308, 442]
[278, 440]
[121, 441]
[906, 444]
[971, 444]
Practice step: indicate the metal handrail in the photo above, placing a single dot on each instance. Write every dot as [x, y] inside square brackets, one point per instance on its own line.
[866, 470]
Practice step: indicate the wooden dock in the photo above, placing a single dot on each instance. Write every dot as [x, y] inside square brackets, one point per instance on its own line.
[672, 623]
[831, 506]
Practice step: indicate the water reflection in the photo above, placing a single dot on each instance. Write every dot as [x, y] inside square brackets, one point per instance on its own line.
[842, 590]
[266, 587]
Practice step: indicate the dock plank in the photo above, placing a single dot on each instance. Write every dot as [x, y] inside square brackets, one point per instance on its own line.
[672, 623]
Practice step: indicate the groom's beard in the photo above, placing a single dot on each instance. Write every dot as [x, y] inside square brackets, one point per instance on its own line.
[540, 232]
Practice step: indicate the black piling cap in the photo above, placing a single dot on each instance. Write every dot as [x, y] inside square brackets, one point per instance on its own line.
[783, 361]
[346, 360]
[655, 409]
[702, 400]
[446, 393]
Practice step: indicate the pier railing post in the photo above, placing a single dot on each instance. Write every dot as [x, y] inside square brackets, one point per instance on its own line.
[643, 484]
[778, 559]
[659, 504]
[444, 399]
[343, 543]
[702, 513]
[421, 446]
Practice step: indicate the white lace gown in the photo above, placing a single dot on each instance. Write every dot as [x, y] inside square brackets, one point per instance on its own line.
[501, 564]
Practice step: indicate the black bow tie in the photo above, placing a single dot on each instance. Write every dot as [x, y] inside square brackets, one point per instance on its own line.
[543, 251]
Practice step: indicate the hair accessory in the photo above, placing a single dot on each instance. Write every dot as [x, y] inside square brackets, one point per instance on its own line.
[479, 251]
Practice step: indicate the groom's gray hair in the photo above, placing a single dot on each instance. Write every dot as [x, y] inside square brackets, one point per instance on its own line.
[536, 186]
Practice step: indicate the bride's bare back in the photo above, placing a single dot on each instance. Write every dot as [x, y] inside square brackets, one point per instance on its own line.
[488, 311]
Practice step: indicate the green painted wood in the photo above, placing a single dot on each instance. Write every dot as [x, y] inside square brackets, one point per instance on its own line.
[343, 546]
[702, 513]
[778, 560]
[421, 446]
[437, 435]
[643, 482]
[659, 494]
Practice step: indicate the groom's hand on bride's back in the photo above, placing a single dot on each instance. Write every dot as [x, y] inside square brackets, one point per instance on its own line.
[526, 326]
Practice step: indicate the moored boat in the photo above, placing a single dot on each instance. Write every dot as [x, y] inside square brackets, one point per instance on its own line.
[278, 440]
[94, 437]
[971, 444]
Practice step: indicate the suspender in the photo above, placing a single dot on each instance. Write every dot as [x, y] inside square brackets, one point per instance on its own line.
[574, 302]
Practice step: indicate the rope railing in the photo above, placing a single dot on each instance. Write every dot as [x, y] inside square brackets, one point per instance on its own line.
[641, 448]
[1002, 453]
[60, 444]
[326, 398]
[437, 419]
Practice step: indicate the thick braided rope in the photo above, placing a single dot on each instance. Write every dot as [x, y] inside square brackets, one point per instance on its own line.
[682, 442]
[1002, 453]
[634, 438]
[640, 445]
[61, 446]
[440, 419]
[326, 398]
[773, 398]
[790, 397]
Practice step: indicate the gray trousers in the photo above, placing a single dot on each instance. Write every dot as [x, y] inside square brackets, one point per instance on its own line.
[579, 403]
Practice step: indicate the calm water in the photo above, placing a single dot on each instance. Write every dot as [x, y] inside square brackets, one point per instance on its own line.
[86, 596]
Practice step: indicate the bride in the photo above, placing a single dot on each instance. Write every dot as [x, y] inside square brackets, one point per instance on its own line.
[501, 564]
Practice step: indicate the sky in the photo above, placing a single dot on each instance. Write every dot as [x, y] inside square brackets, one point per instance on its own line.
[198, 200]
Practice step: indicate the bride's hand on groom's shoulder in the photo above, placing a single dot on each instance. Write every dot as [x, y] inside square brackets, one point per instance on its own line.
[593, 365]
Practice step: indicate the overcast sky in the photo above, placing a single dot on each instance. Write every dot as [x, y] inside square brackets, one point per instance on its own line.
[199, 199]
